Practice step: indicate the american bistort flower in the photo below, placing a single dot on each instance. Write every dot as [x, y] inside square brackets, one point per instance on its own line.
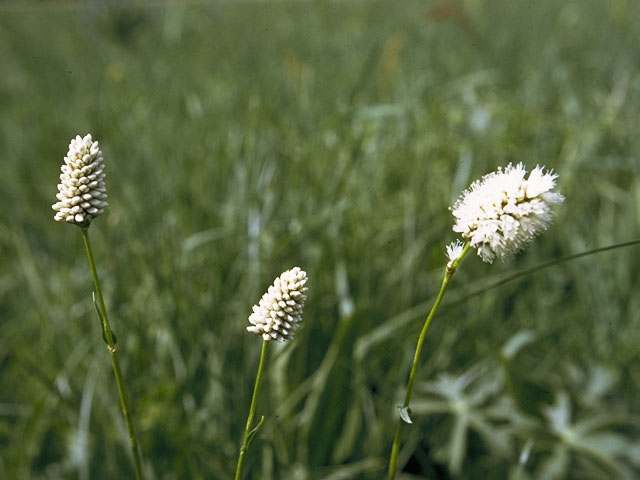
[504, 211]
[279, 313]
[81, 191]
[454, 250]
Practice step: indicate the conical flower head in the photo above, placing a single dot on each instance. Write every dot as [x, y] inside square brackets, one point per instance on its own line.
[279, 312]
[81, 191]
[504, 211]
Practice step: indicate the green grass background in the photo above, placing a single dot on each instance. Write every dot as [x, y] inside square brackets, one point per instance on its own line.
[244, 138]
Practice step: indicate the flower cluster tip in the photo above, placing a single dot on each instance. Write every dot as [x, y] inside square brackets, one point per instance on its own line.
[279, 312]
[82, 192]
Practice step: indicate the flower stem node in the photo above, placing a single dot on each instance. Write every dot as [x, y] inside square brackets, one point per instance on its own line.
[279, 312]
[82, 192]
[501, 214]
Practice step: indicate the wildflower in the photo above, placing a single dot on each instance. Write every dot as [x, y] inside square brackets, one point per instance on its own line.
[504, 211]
[279, 313]
[454, 250]
[81, 191]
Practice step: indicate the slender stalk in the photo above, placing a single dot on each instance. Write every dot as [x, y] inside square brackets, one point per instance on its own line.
[108, 337]
[449, 271]
[248, 431]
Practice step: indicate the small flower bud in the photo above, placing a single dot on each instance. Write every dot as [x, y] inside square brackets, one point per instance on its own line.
[454, 250]
[82, 193]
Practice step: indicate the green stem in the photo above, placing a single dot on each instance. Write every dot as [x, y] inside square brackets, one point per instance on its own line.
[107, 334]
[248, 431]
[449, 271]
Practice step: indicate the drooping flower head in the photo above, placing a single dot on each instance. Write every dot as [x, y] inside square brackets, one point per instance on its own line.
[81, 191]
[504, 211]
[279, 313]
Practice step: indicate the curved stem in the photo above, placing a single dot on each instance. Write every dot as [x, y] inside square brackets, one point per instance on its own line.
[248, 431]
[449, 271]
[108, 337]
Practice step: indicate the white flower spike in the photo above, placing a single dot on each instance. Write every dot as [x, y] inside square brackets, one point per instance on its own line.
[503, 212]
[279, 313]
[81, 191]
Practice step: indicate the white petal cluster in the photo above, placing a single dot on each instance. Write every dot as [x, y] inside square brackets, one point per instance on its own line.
[454, 250]
[279, 313]
[503, 212]
[81, 191]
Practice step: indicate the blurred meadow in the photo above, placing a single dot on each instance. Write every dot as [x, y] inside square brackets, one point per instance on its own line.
[243, 138]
